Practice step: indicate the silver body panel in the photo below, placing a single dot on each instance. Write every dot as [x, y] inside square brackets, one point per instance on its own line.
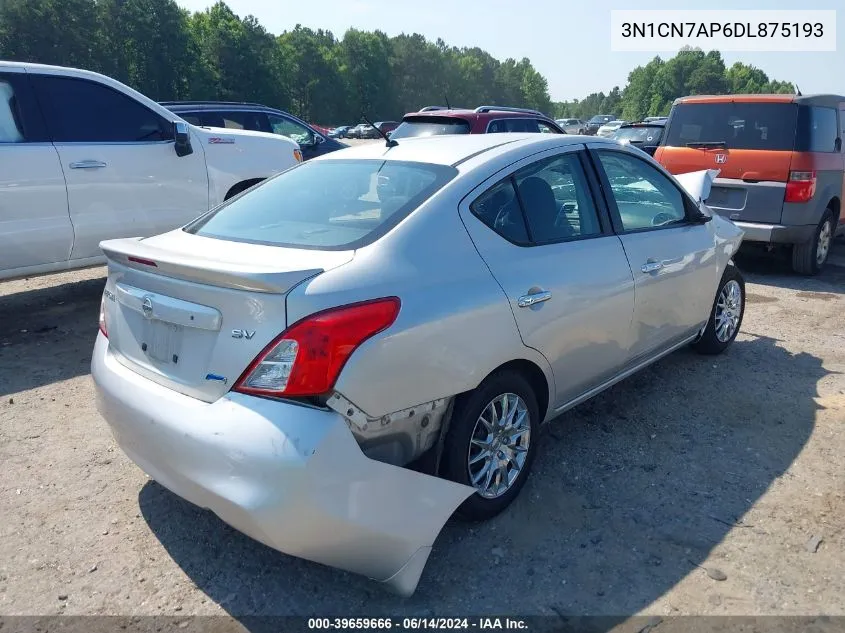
[327, 483]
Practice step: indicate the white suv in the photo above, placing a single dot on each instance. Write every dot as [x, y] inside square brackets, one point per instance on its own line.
[84, 158]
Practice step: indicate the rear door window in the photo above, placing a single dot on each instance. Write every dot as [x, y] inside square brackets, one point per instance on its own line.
[430, 126]
[817, 129]
[752, 125]
[521, 126]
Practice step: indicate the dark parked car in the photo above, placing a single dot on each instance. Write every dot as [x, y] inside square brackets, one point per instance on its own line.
[596, 122]
[254, 116]
[644, 135]
[436, 120]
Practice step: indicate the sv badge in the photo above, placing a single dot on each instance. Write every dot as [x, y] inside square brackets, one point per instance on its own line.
[243, 334]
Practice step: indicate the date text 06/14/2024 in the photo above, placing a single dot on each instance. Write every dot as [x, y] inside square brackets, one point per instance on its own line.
[416, 624]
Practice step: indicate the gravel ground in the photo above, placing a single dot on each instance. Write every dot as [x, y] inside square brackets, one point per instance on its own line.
[735, 464]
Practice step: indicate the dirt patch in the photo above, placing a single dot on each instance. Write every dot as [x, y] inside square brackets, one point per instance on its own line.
[732, 463]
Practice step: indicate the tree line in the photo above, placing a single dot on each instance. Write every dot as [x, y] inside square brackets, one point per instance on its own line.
[169, 53]
[652, 88]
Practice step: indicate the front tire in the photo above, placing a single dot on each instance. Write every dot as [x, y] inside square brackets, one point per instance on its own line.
[726, 315]
[491, 443]
[809, 258]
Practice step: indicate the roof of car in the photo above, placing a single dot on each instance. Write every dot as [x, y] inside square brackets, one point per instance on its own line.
[466, 113]
[450, 149]
[660, 123]
[817, 99]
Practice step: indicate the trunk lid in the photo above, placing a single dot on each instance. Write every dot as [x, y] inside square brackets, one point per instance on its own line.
[191, 312]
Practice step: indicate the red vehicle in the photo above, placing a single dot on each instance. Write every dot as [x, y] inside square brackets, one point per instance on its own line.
[436, 120]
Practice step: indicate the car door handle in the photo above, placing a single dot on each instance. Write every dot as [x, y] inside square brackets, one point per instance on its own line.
[88, 164]
[526, 301]
[651, 267]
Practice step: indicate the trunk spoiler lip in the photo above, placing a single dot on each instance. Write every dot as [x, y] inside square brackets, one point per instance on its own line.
[251, 277]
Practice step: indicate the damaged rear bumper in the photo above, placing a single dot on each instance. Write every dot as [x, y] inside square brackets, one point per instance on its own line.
[289, 476]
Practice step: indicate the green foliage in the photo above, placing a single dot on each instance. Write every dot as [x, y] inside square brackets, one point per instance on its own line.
[168, 53]
[652, 88]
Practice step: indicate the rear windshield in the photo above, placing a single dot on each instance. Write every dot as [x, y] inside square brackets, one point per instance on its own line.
[766, 126]
[326, 205]
[642, 134]
[430, 126]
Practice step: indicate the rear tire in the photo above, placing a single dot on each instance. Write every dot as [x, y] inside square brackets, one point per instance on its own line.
[482, 438]
[809, 258]
[726, 315]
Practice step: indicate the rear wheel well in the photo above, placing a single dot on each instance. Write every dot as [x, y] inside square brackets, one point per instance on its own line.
[535, 377]
[834, 205]
[241, 186]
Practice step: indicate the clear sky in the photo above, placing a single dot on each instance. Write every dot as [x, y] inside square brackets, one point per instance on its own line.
[568, 42]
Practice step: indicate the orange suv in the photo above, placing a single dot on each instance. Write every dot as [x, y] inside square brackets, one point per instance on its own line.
[780, 161]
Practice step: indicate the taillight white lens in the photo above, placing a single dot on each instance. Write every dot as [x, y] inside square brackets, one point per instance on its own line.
[103, 327]
[273, 371]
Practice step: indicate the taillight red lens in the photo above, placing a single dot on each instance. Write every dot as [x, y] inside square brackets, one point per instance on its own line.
[801, 186]
[103, 328]
[306, 359]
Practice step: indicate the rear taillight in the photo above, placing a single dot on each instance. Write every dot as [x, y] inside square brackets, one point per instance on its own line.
[103, 327]
[801, 186]
[306, 359]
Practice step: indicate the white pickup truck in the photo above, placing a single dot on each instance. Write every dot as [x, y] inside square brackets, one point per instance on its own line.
[84, 158]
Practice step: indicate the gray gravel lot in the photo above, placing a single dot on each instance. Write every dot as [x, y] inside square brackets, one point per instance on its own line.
[735, 463]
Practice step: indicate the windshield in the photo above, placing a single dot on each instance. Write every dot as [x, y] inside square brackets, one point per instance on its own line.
[326, 205]
[430, 126]
[750, 125]
[601, 118]
[642, 134]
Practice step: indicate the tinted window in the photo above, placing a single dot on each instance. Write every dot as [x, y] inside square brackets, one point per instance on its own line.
[11, 126]
[193, 119]
[291, 129]
[817, 129]
[523, 125]
[244, 121]
[329, 205]
[557, 200]
[645, 135]
[767, 126]
[499, 209]
[81, 111]
[644, 196]
[430, 126]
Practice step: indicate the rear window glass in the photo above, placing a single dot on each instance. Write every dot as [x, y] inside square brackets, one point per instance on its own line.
[430, 126]
[326, 205]
[766, 126]
[645, 134]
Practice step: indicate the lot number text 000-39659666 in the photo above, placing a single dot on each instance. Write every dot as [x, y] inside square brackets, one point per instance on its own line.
[741, 30]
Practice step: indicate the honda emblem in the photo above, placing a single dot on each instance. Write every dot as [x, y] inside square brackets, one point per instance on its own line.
[721, 159]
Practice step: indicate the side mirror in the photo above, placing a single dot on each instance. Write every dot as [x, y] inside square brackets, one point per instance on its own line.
[700, 218]
[182, 134]
[319, 139]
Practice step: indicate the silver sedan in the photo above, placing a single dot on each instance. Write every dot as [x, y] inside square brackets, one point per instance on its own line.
[339, 358]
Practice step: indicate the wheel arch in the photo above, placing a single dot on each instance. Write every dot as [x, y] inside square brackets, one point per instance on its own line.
[535, 377]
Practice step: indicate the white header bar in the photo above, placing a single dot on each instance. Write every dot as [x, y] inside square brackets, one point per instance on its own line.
[771, 31]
